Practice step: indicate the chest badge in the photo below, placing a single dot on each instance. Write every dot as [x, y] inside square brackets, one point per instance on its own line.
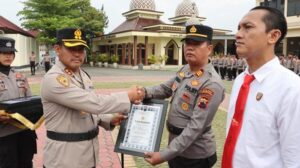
[184, 106]
[181, 74]
[195, 82]
[63, 80]
[259, 96]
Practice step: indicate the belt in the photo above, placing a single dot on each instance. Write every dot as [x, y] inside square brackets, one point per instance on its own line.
[73, 137]
[177, 131]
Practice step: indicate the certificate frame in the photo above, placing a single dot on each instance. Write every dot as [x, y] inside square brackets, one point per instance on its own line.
[158, 110]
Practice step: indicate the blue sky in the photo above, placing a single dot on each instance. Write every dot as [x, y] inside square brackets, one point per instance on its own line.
[223, 14]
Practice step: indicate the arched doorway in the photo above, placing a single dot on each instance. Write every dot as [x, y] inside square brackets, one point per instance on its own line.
[172, 51]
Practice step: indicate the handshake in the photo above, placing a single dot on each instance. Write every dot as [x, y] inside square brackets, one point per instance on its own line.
[136, 94]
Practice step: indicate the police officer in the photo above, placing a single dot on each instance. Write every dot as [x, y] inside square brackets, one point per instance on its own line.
[32, 63]
[17, 146]
[47, 61]
[196, 92]
[72, 110]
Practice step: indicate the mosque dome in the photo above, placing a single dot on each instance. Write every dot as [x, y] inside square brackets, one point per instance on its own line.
[142, 4]
[186, 7]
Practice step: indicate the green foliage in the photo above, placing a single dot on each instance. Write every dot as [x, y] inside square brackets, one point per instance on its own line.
[49, 15]
[162, 58]
[103, 58]
[152, 59]
[115, 58]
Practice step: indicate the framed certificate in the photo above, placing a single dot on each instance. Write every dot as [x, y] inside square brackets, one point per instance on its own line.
[142, 131]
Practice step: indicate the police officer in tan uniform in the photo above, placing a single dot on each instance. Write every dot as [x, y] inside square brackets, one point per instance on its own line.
[196, 92]
[32, 63]
[17, 146]
[72, 110]
[47, 62]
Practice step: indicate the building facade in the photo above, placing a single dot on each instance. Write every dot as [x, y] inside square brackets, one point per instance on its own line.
[291, 10]
[143, 34]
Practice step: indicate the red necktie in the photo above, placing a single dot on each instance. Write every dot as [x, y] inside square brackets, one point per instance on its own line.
[236, 123]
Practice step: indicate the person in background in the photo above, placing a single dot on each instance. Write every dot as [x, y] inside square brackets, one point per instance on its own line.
[17, 146]
[32, 63]
[47, 61]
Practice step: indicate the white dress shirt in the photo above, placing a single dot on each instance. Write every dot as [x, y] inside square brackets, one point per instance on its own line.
[270, 134]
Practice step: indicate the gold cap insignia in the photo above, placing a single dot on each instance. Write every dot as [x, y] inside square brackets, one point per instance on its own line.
[185, 106]
[63, 80]
[77, 34]
[181, 74]
[195, 82]
[259, 96]
[193, 29]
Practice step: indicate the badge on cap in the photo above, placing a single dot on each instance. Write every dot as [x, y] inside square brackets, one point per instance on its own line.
[195, 82]
[78, 34]
[8, 44]
[63, 80]
[184, 106]
[193, 29]
[259, 96]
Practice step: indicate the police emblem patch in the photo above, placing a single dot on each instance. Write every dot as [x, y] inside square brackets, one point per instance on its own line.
[63, 80]
[203, 102]
[184, 106]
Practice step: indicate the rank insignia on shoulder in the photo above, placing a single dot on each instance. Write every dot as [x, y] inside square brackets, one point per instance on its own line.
[63, 80]
[181, 74]
[68, 71]
[184, 106]
[259, 96]
[203, 102]
[195, 82]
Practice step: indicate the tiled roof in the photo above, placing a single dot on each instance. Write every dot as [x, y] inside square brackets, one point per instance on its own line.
[136, 24]
[9, 27]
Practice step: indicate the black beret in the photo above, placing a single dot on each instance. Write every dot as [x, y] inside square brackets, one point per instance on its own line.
[71, 37]
[7, 44]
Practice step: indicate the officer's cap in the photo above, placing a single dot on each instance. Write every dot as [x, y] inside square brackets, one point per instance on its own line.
[7, 44]
[198, 32]
[71, 37]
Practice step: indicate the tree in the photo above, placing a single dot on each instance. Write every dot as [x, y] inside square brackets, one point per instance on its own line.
[49, 15]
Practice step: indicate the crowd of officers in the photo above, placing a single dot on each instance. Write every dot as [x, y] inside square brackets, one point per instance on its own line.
[229, 66]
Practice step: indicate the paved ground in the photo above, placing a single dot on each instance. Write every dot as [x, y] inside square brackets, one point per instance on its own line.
[108, 159]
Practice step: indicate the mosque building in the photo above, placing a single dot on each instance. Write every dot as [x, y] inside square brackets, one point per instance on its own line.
[143, 34]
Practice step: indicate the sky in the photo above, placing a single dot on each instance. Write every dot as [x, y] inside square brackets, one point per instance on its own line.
[221, 14]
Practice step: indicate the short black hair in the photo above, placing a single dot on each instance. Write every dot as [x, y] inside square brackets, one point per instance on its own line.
[274, 19]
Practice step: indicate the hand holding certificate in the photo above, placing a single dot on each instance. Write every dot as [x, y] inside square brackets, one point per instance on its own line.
[143, 130]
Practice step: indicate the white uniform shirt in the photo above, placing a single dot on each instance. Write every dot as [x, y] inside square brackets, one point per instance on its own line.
[270, 134]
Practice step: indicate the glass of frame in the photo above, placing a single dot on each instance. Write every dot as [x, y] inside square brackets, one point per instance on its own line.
[143, 129]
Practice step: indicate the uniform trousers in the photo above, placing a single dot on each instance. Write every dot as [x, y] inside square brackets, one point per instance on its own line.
[47, 66]
[17, 150]
[182, 162]
[32, 67]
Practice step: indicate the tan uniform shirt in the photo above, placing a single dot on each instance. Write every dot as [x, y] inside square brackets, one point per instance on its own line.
[32, 58]
[71, 106]
[13, 86]
[195, 100]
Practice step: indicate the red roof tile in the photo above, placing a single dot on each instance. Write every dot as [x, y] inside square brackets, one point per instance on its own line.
[9, 27]
[136, 24]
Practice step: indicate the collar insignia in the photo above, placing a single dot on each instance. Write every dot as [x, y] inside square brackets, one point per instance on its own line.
[259, 96]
